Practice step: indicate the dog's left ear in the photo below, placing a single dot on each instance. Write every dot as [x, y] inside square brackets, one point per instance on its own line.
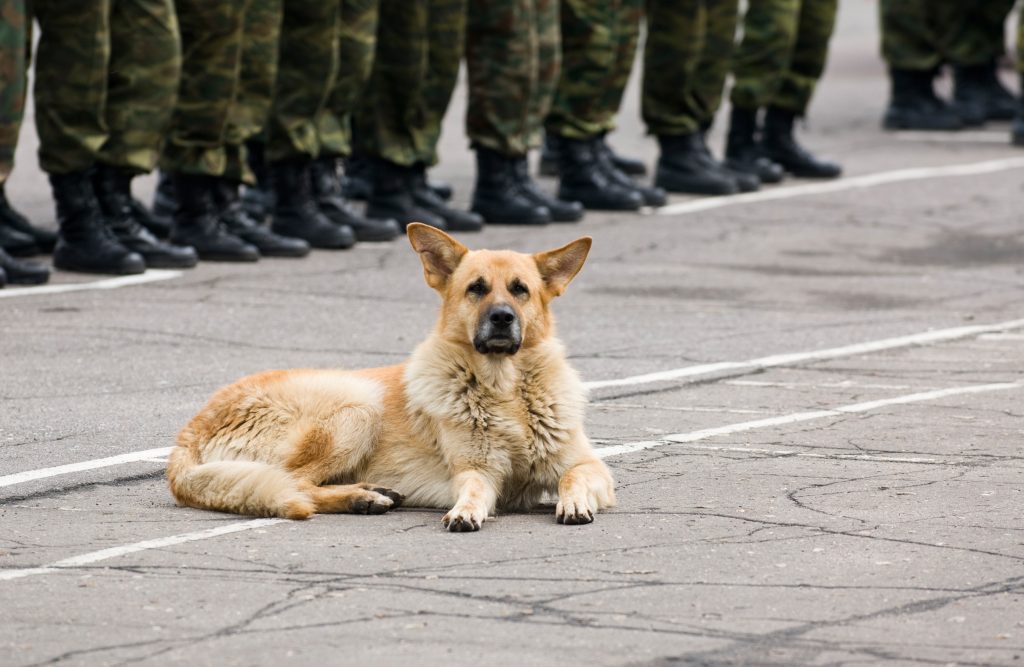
[559, 267]
[439, 252]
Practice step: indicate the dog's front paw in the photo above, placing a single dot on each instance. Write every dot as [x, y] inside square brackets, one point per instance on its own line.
[463, 520]
[574, 511]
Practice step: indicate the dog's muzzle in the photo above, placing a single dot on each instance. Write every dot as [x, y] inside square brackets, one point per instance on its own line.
[498, 331]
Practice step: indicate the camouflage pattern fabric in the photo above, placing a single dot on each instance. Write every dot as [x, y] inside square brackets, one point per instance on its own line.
[357, 45]
[106, 79]
[306, 72]
[247, 118]
[1020, 44]
[686, 61]
[513, 56]
[419, 48]
[922, 34]
[212, 36]
[599, 40]
[13, 47]
[783, 52]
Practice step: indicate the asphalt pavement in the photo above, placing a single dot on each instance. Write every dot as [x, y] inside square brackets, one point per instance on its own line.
[810, 397]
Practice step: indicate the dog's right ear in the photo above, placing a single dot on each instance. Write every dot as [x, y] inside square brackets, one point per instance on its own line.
[439, 252]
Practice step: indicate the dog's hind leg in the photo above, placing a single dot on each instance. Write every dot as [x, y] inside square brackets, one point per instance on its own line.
[354, 498]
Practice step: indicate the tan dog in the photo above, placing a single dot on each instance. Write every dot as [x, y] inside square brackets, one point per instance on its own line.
[486, 413]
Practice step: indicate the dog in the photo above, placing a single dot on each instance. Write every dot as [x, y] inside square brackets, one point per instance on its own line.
[485, 415]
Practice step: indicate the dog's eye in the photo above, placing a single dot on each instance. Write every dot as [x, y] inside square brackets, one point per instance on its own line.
[518, 289]
[478, 288]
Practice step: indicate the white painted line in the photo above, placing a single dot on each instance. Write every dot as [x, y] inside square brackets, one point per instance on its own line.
[961, 137]
[41, 473]
[797, 417]
[146, 545]
[604, 452]
[938, 335]
[843, 185]
[150, 276]
[926, 338]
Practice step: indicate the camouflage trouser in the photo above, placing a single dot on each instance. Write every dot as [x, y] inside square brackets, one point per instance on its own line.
[247, 117]
[419, 48]
[783, 53]
[599, 39]
[306, 72]
[922, 34]
[686, 61]
[107, 74]
[13, 57]
[357, 44]
[211, 35]
[513, 56]
[1020, 43]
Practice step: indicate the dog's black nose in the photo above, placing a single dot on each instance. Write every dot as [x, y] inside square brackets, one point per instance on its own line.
[501, 316]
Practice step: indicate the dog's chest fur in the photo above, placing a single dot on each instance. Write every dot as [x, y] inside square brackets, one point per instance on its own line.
[517, 412]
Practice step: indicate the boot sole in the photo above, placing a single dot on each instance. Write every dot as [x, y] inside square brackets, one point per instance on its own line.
[168, 263]
[79, 268]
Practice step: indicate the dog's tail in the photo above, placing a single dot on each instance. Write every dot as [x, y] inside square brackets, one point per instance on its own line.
[242, 487]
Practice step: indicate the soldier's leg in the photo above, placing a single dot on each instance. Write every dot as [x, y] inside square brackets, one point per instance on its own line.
[713, 67]
[912, 49]
[307, 68]
[816, 19]
[13, 45]
[973, 39]
[72, 69]
[357, 46]
[72, 63]
[363, 77]
[579, 109]
[142, 86]
[247, 118]
[676, 38]
[765, 52]
[15, 232]
[196, 155]
[503, 62]
[708, 87]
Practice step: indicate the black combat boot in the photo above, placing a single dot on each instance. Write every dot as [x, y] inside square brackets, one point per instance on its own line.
[550, 157]
[113, 191]
[781, 147]
[84, 241]
[42, 240]
[327, 191]
[165, 203]
[296, 211]
[258, 200]
[683, 167]
[358, 182]
[913, 104]
[651, 195]
[237, 221]
[561, 210]
[977, 89]
[743, 153]
[197, 222]
[392, 196]
[427, 198]
[748, 182]
[627, 165]
[18, 243]
[498, 195]
[22, 272]
[586, 179]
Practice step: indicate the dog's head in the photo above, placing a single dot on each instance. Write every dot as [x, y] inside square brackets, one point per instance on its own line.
[496, 301]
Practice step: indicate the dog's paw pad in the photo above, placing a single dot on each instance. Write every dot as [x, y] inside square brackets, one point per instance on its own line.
[573, 514]
[374, 503]
[461, 523]
[396, 498]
